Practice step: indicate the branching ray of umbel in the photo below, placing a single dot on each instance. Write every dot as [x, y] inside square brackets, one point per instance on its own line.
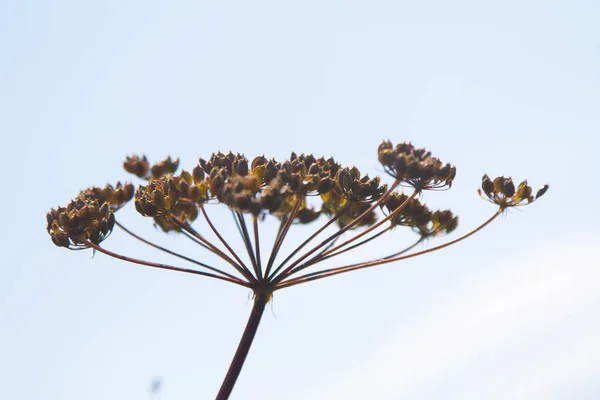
[350, 211]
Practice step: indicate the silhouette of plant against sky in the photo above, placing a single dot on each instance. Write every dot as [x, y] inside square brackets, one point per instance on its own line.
[354, 210]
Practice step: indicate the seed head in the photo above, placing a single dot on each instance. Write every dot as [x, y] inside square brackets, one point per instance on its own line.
[137, 166]
[164, 167]
[418, 216]
[115, 196]
[502, 192]
[170, 197]
[82, 219]
[142, 169]
[415, 166]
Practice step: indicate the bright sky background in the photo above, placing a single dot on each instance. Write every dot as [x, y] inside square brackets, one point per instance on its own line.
[507, 88]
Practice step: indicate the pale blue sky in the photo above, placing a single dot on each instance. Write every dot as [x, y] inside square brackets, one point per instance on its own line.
[505, 88]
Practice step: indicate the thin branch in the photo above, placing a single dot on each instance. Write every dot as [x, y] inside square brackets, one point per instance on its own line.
[282, 233]
[370, 239]
[409, 248]
[237, 222]
[248, 244]
[186, 227]
[350, 225]
[381, 261]
[317, 273]
[257, 245]
[163, 266]
[376, 225]
[195, 240]
[216, 232]
[281, 225]
[311, 237]
[370, 229]
[365, 241]
[246, 241]
[317, 258]
[175, 253]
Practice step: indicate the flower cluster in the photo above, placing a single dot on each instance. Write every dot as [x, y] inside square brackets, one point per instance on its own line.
[418, 216]
[141, 167]
[351, 195]
[89, 217]
[262, 186]
[502, 192]
[280, 188]
[137, 166]
[83, 219]
[267, 185]
[168, 199]
[415, 166]
[115, 196]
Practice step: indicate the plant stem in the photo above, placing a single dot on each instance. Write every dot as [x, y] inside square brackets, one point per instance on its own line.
[244, 271]
[257, 246]
[175, 253]
[315, 234]
[218, 235]
[163, 266]
[260, 301]
[353, 267]
[282, 233]
[376, 225]
[351, 224]
[248, 243]
[389, 228]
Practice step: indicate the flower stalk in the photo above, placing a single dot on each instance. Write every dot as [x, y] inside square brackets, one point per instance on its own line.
[261, 298]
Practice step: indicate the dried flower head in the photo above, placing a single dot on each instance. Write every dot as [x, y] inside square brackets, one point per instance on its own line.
[169, 199]
[418, 216]
[142, 169]
[116, 196]
[268, 186]
[137, 166]
[502, 192]
[415, 166]
[164, 167]
[83, 219]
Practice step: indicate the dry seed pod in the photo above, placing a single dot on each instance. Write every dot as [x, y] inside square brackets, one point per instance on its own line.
[509, 188]
[541, 191]
[258, 161]
[487, 186]
[137, 166]
[499, 184]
